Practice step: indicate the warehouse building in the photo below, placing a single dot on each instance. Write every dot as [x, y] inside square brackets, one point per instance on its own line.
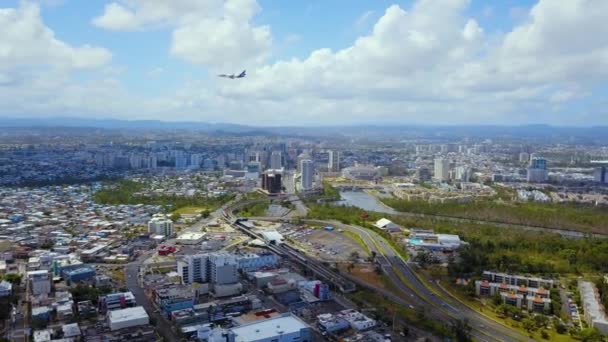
[127, 318]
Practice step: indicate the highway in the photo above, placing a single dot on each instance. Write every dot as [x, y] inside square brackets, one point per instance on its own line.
[396, 268]
[418, 295]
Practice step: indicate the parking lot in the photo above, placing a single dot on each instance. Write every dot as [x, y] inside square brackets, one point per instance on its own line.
[331, 246]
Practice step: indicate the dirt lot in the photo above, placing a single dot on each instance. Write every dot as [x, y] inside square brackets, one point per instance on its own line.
[366, 273]
[329, 245]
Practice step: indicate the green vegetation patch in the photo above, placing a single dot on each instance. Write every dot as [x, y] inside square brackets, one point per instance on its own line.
[254, 209]
[564, 216]
[124, 192]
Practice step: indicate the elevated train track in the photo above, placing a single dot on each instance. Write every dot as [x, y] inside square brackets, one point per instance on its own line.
[286, 251]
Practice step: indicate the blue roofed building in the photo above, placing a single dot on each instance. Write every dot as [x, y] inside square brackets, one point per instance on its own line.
[76, 275]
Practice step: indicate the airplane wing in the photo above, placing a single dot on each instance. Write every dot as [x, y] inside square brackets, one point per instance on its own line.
[242, 74]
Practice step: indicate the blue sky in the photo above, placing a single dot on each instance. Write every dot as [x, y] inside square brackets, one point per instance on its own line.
[308, 62]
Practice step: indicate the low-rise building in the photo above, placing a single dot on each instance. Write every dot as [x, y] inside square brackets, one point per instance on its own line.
[272, 237]
[40, 282]
[252, 262]
[127, 318]
[71, 331]
[115, 301]
[388, 225]
[518, 280]
[331, 323]
[533, 299]
[595, 313]
[6, 288]
[283, 328]
[357, 320]
[83, 273]
[174, 297]
[435, 242]
[190, 238]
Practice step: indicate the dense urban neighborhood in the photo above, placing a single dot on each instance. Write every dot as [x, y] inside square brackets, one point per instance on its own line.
[259, 238]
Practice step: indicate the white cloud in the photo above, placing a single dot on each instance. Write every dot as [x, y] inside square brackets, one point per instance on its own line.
[216, 33]
[430, 63]
[26, 41]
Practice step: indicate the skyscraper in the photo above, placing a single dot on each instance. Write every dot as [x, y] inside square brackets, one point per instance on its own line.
[308, 171]
[537, 172]
[276, 161]
[333, 163]
[442, 167]
[462, 174]
[423, 174]
[271, 181]
[600, 174]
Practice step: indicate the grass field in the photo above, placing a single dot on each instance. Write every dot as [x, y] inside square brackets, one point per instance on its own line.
[191, 210]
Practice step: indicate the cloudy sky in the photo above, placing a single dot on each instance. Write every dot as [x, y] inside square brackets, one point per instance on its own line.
[309, 62]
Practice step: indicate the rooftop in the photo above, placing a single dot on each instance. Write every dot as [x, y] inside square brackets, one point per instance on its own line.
[127, 314]
[265, 329]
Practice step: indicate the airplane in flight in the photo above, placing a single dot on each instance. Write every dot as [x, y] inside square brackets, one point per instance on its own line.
[241, 75]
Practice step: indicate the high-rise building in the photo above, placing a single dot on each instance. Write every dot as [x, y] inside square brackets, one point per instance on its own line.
[253, 157]
[442, 167]
[196, 160]
[181, 162]
[160, 225]
[271, 181]
[524, 157]
[333, 161]
[423, 174]
[308, 172]
[300, 157]
[276, 160]
[152, 162]
[193, 268]
[223, 268]
[462, 174]
[600, 174]
[537, 172]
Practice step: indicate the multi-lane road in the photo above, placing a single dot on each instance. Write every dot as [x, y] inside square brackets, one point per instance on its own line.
[404, 277]
[419, 295]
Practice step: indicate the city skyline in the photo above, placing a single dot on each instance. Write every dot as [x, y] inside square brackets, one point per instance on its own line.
[404, 62]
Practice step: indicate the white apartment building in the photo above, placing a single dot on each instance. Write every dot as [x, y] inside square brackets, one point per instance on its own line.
[442, 168]
[160, 225]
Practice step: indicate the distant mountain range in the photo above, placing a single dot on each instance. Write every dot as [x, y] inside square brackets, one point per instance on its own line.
[116, 124]
[534, 132]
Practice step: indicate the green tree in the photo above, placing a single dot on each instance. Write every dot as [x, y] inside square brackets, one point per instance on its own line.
[13, 278]
[544, 334]
[591, 335]
[561, 328]
[176, 217]
[461, 330]
[528, 324]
